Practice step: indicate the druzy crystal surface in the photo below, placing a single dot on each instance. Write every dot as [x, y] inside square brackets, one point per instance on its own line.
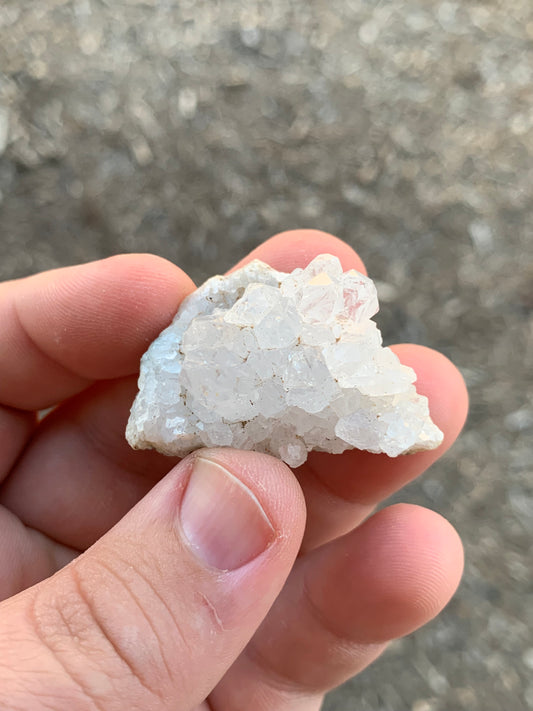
[279, 363]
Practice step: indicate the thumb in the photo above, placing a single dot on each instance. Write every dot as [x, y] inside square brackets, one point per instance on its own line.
[156, 611]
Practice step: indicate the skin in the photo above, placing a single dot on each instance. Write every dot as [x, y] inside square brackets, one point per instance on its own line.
[105, 604]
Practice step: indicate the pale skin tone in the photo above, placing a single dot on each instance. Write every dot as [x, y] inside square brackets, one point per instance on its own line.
[106, 606]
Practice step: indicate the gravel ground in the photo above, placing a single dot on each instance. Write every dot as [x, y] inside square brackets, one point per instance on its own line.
[194, 130]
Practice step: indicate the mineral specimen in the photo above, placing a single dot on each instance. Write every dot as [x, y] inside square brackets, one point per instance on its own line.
[279, 363]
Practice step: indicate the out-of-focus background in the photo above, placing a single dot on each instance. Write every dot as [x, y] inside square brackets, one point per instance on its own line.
[196, 129]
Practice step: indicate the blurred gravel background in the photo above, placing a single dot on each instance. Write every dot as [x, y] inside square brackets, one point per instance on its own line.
[197, 129]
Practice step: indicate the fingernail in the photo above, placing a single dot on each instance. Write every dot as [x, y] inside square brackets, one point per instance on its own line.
[222, 519]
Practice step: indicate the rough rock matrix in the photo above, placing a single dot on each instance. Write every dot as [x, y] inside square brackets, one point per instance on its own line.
[280, 363]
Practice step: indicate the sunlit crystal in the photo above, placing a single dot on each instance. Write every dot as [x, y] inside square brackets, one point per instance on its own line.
[280, 363]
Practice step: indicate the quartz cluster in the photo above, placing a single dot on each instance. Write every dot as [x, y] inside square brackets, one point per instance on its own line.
[279, 363]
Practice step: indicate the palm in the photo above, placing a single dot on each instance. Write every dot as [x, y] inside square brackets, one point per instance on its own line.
[75, 338]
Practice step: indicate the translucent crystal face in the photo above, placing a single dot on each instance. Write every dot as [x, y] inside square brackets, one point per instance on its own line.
[280, 363]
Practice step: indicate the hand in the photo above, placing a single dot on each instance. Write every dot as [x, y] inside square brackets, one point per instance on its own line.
[132, 581]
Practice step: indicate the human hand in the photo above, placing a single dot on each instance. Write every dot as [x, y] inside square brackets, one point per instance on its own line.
[219, 583]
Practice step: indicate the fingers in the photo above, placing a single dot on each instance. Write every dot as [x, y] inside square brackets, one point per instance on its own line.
[154, 614]
[341, 491]
[15, 429]
[63, 329]
[296, 248]
[343, 603]
[26, 556]
[92, 475]
[403, 565]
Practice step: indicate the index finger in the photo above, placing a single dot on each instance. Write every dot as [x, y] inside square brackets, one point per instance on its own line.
[64, 329]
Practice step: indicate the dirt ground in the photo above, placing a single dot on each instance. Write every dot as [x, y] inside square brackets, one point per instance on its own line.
[196, 129]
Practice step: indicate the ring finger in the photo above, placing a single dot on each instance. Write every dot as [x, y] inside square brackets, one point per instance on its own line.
[341, 606]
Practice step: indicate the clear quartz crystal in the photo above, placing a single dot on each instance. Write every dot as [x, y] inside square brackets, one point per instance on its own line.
[280, 363]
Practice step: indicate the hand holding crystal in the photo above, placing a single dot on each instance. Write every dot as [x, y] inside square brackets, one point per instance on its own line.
[221, 581]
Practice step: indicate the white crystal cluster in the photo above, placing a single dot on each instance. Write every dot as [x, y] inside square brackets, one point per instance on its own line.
[279, 363]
